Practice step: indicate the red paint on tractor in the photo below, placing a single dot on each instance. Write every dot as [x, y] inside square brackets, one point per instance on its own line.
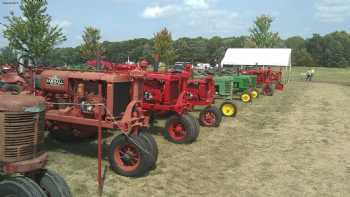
[266, 77]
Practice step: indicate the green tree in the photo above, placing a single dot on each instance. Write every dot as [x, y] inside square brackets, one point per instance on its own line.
[215, 49]
[92, 47]
[316, 47]
[260, 33]
[300, 57]
[295, 42]
[183, 50]
[163, 46]
[63, 56]
[249, 43]
[32, 34]
[7, 56]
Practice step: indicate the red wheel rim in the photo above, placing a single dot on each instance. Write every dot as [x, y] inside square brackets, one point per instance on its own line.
[177, 131]
[127, 157]
[209, 119]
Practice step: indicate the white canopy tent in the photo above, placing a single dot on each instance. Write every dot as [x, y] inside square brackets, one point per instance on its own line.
[274, 57]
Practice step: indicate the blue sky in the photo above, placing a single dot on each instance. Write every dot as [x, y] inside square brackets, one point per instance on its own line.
[127, 19]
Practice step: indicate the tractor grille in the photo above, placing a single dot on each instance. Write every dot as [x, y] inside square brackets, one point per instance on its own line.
[21, 136]
[228, 88]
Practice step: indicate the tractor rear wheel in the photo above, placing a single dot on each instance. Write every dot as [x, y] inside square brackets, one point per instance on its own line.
[210, 117]
[246, 97]
[229, 109]
[53, 184]
[151, 142]
[129, 156]
[181, 129]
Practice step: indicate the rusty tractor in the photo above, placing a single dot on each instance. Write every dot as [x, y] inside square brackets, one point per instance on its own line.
[84, 104]
[22, 155]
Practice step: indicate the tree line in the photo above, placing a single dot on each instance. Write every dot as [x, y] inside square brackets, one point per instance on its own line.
[331, 50]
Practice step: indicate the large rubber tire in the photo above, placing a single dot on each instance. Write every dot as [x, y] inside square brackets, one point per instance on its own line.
[181, 129]
[151, 142]
[229, 109]
[53, 184]
[12, 188]
[210, 117]
[128, 159]
[197, 125]
[20, 187]
[32, 185]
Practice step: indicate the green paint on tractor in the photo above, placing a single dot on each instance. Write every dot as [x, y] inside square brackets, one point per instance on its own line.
[230, 86]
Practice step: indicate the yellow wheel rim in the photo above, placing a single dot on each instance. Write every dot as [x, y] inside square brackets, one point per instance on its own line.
[245, 98]
[254, 94]
[228, 109]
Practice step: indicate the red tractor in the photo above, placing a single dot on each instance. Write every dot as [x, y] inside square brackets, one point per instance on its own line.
[201, 92]
[81, 104]
[23, 158]
[267, 79]
[173, 92]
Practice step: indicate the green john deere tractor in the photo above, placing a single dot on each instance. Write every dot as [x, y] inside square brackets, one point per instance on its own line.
[235, 87]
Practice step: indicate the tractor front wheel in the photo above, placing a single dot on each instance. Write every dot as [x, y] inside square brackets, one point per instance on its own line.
[53, 184]
[151, 142]
[229, 109]
[210, 117]
[181, 129]
[20, 187]
[246, 97]
[130, 156]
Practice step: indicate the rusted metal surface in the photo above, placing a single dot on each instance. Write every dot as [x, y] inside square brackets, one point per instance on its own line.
[22, 125]
[21, 136]
[20, 103]
[119, 94]
[27, 165]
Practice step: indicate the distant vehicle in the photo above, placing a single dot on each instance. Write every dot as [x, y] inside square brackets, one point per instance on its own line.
[203, 66]
[179, 66]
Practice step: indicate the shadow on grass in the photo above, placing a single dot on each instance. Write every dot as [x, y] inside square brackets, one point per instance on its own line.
[83, 147]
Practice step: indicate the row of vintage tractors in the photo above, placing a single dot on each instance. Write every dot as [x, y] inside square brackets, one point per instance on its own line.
[85, 102]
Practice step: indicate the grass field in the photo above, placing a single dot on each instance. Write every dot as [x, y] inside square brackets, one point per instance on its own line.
[295, 143]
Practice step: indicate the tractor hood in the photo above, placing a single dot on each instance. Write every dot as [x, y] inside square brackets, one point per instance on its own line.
[19, 103]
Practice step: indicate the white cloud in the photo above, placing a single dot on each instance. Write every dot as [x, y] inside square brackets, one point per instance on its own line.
[159, 11]
[62, 23]
[195, 17]
[332, 11]
[197, 4]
